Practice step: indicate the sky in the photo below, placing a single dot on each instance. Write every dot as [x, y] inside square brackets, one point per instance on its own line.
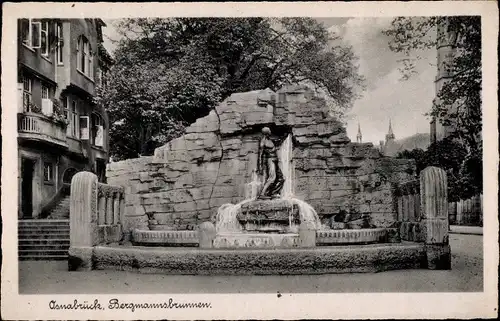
[386, 97]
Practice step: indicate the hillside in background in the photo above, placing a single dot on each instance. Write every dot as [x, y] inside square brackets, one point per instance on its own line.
[420, 140]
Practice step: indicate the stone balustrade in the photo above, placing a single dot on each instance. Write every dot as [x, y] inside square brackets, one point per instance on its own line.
[408, 201]
[96, 218]
[422, 207]
[434, 217]
[110, 204]
[407, 197]
[40, 127]
[165, 238]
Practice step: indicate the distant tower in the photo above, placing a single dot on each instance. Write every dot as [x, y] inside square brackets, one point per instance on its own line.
[390, 135]
[359, 136]
[387, 147]
[445, 54]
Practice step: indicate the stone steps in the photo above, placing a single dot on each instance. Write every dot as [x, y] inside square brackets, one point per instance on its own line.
[55, 234]
[47, 228]
[61, 211]
[42, 251]
[53, 244]
[44, 258]
[43, 239]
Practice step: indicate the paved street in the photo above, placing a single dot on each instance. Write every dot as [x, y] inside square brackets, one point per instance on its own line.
[461, 229]
[466, 275]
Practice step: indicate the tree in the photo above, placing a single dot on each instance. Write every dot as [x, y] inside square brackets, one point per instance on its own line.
[169, 72]
[458, 102]
[463, 171]
[417, 154]
[463, 90]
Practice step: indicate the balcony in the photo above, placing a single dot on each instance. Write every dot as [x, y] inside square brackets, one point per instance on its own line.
[37, 127]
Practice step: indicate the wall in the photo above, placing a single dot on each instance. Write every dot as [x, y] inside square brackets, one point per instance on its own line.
[63, 71]
[190, 177]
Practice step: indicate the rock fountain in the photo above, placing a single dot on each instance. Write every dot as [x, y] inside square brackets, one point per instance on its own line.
[224, 199]
[270, 216]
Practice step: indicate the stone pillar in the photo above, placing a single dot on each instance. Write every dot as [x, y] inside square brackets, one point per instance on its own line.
[452, 212]
[116, 208]
[83, 221]
[434, 213]
[122, 209]
[109, 207]
[206, 235]
[411, 207]
[102, 209]
[417, 206]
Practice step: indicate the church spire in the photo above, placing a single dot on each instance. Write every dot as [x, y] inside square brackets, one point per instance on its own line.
[359, 136]
[390, 134]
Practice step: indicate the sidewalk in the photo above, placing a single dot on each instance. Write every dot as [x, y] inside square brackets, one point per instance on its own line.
[461, 229]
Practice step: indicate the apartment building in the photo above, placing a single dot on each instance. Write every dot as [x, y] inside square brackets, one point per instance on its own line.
[61, 130]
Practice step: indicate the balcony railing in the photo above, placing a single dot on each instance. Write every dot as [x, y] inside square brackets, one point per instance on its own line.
[39, 127]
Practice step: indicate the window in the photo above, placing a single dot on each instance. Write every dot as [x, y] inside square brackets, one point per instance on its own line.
[85, 59]
[48, 172]
[44, 38]
[65, 107]
[31, 33]
[84, 127]
[91, 65]
[69, 117]
[97, 130]
[74, 119]
[59, 51]
[27, 96]
[45, 92]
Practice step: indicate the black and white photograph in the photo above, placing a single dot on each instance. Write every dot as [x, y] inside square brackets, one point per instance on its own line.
[290, 161]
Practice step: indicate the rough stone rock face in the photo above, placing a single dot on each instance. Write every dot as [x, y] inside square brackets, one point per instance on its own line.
[189, 178]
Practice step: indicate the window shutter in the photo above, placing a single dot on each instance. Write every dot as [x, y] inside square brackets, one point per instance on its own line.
[84, 127]
[78, 54]
[99, 137]
[20, 95]
[36, 35]
[25, 31]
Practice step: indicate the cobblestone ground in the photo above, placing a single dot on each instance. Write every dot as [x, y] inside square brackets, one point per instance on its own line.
[466, 275]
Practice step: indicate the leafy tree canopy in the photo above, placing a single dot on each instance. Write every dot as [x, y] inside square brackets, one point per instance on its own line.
[464, 172]
[169, 72]
[463, 90]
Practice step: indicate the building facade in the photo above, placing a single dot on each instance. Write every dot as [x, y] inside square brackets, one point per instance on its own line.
[445, 54]
[61, 131]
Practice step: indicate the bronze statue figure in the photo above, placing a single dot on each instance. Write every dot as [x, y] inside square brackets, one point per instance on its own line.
[268, 164]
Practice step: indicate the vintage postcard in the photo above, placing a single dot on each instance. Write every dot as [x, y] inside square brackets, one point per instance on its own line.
[313, 160]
